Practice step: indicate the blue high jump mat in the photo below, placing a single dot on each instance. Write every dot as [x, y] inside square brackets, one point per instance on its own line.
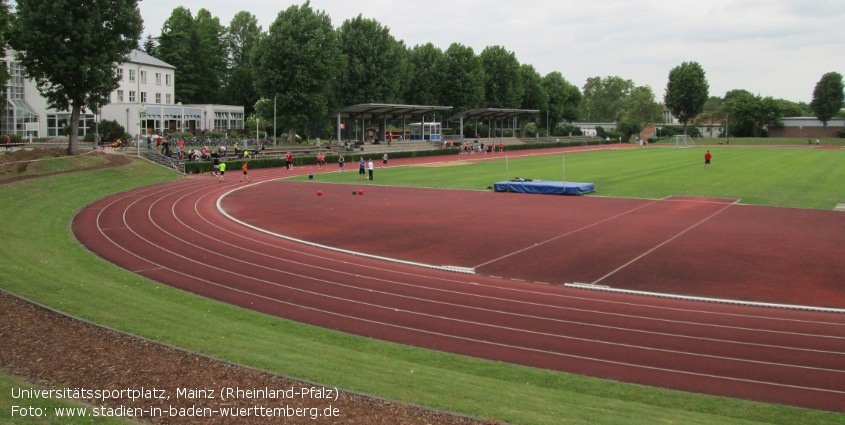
[545, 187]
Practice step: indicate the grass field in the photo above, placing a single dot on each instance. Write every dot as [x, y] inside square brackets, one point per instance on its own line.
[50, 267]
[806, 178]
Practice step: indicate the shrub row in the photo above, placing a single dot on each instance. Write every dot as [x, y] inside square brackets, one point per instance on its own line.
[351, 157]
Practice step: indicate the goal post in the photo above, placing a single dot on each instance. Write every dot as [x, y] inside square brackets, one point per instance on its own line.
[684, 141]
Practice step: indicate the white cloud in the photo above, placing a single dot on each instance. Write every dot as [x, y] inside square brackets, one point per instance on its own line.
[772, 48]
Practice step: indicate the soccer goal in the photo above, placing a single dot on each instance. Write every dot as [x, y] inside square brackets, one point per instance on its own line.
[683, 141]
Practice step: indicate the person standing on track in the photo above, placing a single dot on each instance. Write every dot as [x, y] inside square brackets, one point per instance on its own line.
[222, 171]
[244, 167]
[340, 161]
[707, 158]
[215, 166]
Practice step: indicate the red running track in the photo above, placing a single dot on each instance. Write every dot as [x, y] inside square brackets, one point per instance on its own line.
[174, 233]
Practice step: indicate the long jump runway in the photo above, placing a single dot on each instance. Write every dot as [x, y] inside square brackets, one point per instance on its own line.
[174, 233]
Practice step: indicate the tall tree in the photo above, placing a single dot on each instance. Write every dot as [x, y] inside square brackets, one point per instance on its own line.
[827, 98]
[72, 55]
[564, 99]
[604, 98]
[210, 55]
[426, 75]
[5, 23]
[177, 44]
[502, 83]
[375, 63]
[534, 95]
[241, 40]
[297, 62]
[464, 86]
[686, 92]
[150, 45]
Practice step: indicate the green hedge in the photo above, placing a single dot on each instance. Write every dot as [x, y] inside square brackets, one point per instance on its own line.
[331, 157]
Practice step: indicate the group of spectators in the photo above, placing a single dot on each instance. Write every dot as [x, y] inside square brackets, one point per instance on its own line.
[164, 145]
[476, 147]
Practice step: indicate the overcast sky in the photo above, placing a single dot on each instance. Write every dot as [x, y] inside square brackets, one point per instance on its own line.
[778, 48]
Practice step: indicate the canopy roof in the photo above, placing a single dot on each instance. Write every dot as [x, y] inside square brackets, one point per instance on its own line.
[492, 113]
[373, 110]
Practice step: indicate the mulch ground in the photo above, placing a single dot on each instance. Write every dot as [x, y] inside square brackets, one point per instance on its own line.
[57, 351]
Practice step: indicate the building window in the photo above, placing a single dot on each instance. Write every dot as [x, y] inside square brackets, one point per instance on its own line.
[168, 101]
[143, 97]
[120, 95]
[120, 73]
[143, 77]
[131, 75]
[158, 98]
[56, 124]
[158, 78]
[131, 96]
[168, 79]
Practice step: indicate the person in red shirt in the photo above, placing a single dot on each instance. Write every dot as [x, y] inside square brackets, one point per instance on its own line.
[707, 158]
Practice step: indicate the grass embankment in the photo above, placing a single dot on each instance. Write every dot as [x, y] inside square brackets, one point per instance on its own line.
[50, 267]
[806, 178]
[27, 162]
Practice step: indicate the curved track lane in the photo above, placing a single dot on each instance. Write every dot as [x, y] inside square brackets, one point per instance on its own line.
[173, 233]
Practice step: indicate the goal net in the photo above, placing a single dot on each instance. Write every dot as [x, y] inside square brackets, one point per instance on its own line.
[684, 141]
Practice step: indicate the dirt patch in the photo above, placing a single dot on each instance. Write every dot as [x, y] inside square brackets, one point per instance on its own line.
[56, 351]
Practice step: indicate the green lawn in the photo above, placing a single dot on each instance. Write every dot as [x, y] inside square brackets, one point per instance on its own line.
[807, 178]
[52, 268]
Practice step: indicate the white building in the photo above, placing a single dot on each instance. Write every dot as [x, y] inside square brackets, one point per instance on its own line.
[142, 104]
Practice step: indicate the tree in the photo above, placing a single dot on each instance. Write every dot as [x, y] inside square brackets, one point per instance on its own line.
[564, 99]
[240, 40]
[297, 63]
[713, 114]
[426, 75]
[5, 23]
[750, 114]
[150, 45]
[110, 131]
[640, 109]
[375, 63]
[176, 46]
[604, 98]
[502, 82]
[210, 56]
[534, 95]
[827, 98]
[686, 92]
[72, 55]
[794, 109]
[464, 84]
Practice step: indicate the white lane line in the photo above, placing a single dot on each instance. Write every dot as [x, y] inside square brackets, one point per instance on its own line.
[683, 232]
